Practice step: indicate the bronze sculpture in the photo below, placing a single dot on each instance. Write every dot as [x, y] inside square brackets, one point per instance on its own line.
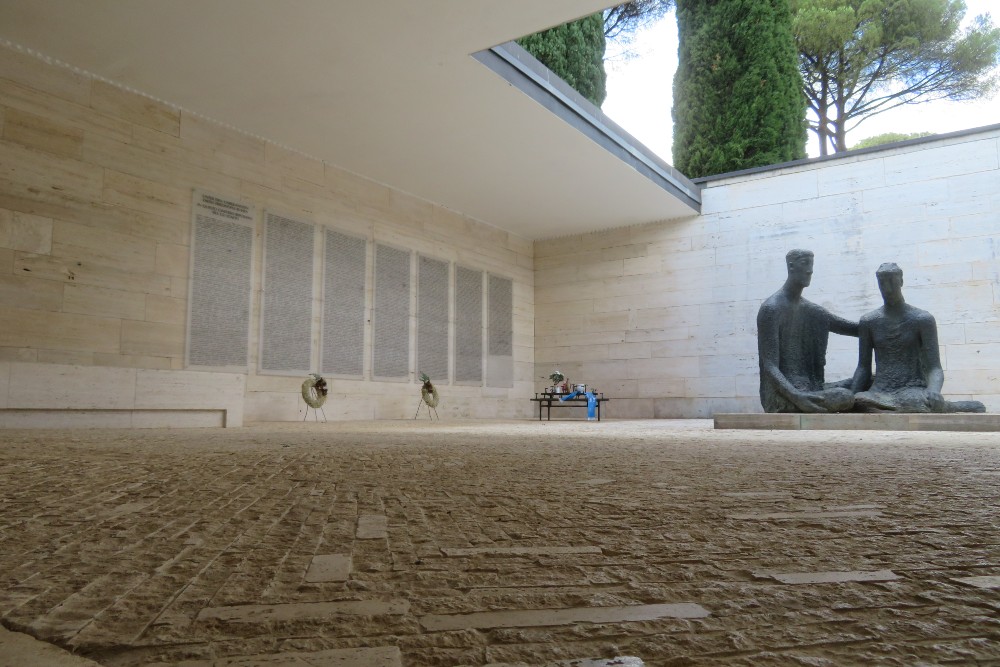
[904, 341]
[792, 334]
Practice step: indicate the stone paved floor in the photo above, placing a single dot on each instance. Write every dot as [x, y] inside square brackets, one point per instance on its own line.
[472, 543]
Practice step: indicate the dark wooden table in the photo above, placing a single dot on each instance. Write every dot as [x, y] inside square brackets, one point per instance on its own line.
[548, 401]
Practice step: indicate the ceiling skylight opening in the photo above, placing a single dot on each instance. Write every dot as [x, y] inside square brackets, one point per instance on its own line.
[640, 60]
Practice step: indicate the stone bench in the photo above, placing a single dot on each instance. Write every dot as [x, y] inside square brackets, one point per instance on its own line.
[113, 418]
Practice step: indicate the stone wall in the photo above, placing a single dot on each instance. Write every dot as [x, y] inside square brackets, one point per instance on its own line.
[96, 190]
[662, 317]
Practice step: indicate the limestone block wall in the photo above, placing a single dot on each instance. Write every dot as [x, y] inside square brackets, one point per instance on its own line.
[96, 190]
[106, 396]
[662, 317]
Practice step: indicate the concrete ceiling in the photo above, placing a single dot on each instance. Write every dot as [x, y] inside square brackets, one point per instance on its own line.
[388, 89]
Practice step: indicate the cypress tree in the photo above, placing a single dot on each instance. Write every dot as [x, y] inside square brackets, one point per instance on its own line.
[575, 52]
[738, 99]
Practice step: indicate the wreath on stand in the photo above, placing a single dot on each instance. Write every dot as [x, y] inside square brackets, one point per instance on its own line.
[314, 391]
[428, 396]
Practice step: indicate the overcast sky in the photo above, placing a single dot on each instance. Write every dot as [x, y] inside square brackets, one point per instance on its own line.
[639, 94]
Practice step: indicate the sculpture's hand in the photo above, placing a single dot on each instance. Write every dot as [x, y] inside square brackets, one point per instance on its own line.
[936, 402]
[809, 402]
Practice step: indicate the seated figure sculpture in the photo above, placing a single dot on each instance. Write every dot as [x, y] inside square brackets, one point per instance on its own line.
[792, 336]
[908, 375]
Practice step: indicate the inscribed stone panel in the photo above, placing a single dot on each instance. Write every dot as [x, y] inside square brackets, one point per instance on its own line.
[286, 305]
[391, 316]
[432, 318]
[500, 332]
[220, 288]
[344, 305]
[468, 325]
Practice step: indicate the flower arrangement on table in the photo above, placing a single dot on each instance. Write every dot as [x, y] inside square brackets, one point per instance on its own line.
[560, 385]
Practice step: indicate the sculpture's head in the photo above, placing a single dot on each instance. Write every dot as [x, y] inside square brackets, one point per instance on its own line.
[800, 266]
[890, 282]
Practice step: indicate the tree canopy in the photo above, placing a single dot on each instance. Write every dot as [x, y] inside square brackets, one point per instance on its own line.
[737, 92]
[888, 138]
[859, 58]
[625, 19]
[575, 52]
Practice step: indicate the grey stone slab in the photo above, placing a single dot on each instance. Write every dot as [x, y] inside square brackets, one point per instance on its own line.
[20, 650]
[867, 422]
[519, 551]
[372, 527]
[980, 582]
[329, 567]
[381, 656]
[37, 418]
[259, 613]
[527, 618]
[831, 577]
[758, 494]
[860, 422]
[843, 508]
[620, 661]
[766, 516]
[179, 418]
[768, 422]
[955, 422]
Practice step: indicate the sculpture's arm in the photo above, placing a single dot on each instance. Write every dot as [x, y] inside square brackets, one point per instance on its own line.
[931, 354]
[863, 373]
[768, 347]
[839, 325]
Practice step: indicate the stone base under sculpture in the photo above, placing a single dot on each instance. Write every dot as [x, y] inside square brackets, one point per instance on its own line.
[883, 421]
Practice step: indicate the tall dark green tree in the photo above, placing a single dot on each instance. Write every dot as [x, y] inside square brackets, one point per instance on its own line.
[575, 52]
[738, 100]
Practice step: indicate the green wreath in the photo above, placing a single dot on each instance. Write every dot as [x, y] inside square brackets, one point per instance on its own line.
[431, 397]
[314, 391]
[429, 392]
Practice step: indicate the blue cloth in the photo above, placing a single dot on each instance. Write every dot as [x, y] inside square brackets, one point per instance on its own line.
[591, 402]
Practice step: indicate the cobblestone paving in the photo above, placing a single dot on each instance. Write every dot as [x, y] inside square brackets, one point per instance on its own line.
[472, 543]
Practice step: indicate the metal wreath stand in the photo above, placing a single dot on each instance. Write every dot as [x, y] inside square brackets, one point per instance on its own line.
[314, 393]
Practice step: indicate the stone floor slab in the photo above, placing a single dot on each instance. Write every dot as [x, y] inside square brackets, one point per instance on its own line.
[527, 618]
[383, 656]
[256, 613]
[980, 582]
[329, 567]
[767, 516]
[20, 650]
[518, 551]
[620, 661]
[831, 577]
[372, 527]
[757, 494]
